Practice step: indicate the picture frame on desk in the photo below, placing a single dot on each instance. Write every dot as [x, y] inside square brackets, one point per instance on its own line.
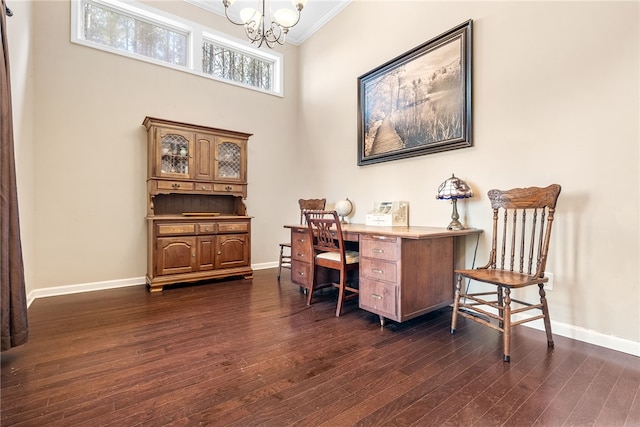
[419, 102]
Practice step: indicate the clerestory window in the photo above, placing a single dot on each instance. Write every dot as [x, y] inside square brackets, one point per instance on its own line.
[138, 31]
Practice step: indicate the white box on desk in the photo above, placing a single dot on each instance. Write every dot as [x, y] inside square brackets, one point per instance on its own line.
[389, 214]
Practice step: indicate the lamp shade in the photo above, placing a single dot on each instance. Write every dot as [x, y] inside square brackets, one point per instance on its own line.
[454, 188]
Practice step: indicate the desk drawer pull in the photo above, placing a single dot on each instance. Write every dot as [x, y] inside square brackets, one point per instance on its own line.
[300, 255]
[377, 251]
[377, 270]
[301, 273]
[376, 296]
[300, 240]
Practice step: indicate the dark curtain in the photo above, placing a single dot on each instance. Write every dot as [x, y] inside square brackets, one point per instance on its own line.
[12, 291]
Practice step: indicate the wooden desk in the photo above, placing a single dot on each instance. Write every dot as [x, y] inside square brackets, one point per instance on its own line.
[404, 271]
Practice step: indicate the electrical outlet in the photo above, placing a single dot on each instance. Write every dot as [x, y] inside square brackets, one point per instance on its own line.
[549, 285]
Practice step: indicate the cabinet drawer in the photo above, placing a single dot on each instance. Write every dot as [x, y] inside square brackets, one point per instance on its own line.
[379, 270]
[378, 297]
[206, 228]
[175, 185]
[385, 248]
[203, 186]
[233, 227]
[300, 246]
[231, 188]
[301, 273]
[169, 229]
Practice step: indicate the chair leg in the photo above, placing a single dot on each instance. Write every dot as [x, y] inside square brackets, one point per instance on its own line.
[506, 332]
[343, 279]
[280, 262]
[456, 304]
[545, 311]
[313, 283]
[500, 299]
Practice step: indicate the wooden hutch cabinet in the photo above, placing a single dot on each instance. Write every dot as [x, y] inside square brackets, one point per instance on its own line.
[197, 224]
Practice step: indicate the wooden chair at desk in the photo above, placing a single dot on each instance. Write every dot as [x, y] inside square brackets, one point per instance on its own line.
[522, 220]
[325, 234]
[284, 260]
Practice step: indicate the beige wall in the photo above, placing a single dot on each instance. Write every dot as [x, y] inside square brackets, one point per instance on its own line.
[555, 100]
[90, 148]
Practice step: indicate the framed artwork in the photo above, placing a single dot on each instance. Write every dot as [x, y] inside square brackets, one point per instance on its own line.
[418, 103]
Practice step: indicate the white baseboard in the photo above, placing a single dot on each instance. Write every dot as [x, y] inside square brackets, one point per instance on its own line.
[589, 336]
[265, 265]
[83, 287]
[108, 284]
[562, 329]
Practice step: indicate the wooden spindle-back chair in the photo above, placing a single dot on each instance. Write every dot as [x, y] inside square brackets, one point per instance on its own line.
[522, 221]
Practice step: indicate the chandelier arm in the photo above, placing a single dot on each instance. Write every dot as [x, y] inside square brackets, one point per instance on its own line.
[226, 10]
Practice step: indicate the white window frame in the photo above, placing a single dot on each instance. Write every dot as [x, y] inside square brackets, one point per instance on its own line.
[196, 34]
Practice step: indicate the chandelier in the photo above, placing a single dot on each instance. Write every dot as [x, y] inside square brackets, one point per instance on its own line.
[260, 27]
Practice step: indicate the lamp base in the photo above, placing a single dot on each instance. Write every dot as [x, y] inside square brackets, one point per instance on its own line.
[455, 225]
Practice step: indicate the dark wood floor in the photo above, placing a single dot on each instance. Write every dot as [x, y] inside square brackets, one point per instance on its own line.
[248, 353]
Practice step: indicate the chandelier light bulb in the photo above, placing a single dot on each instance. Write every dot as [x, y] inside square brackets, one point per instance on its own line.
[285, 17]
[250, 16]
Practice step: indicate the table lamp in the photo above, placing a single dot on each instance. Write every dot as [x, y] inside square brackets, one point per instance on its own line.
[454, 189]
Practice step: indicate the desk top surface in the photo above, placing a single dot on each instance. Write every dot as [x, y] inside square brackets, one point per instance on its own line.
[407, 232]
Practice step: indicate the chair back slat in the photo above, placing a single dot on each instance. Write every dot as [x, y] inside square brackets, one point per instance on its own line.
[522, 221]
[310, 205]
[325, 231]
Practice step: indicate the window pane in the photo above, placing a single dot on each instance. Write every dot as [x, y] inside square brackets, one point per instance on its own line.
[126, 33]
[229, 64]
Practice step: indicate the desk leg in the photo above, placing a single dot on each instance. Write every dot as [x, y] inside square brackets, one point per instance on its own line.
[382, 321]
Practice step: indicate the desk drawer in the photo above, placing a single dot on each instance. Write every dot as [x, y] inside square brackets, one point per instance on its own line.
[300, 246]
[380, 298]
[379, 270]
[301, 273]
[380, 247]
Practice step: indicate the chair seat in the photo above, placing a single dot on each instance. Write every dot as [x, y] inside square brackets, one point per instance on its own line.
[352, 257]
[506, 278]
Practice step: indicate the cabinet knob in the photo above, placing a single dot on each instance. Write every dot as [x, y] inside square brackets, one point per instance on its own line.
[219, 252]
[228, 188]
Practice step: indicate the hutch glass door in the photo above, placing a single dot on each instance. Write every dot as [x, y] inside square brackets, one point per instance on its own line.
[175, 155]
